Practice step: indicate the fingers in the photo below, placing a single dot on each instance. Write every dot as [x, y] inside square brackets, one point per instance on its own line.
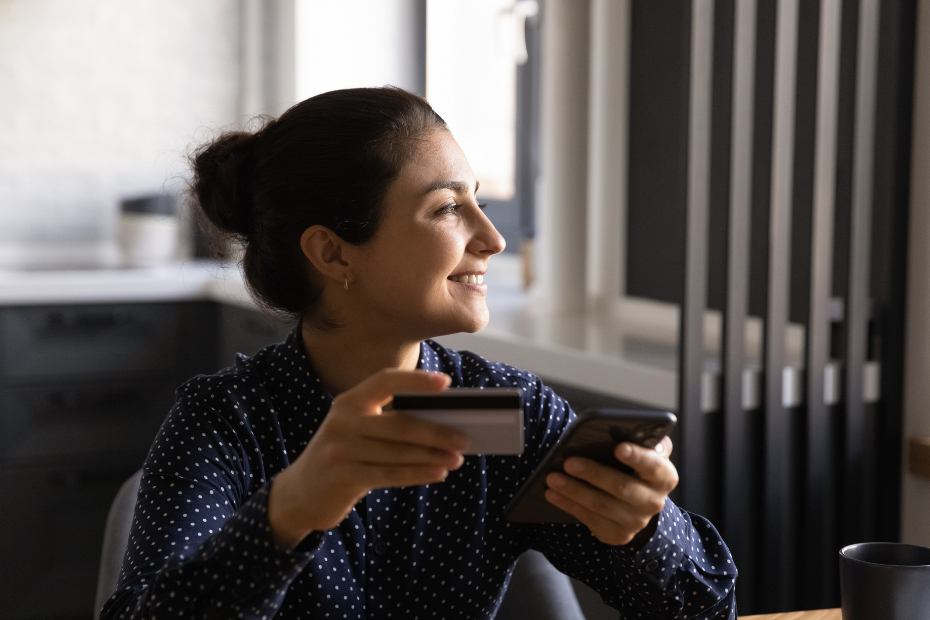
[651, 465]
[377, 452]
[378, 389]
[605, 529]
[627, 493]
[380, 476]
[360, 478]
[614, 505]
[402, 428]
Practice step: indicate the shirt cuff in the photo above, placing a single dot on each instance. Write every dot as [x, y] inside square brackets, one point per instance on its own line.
[659, 559]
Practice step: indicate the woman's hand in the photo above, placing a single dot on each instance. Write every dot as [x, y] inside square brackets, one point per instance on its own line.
[358, 448]
[614, 505]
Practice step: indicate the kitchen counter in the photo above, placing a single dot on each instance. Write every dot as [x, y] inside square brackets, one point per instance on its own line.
[187, 281]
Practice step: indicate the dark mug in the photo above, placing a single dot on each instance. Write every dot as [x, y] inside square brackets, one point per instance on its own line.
[888, 581]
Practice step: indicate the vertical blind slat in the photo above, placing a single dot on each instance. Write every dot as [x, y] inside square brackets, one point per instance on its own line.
[736, 436]
[778, 551]
[691, 362]
[859, 498]
[819, 497]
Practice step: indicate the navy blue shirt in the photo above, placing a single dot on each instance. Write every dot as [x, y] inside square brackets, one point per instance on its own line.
[201, 547]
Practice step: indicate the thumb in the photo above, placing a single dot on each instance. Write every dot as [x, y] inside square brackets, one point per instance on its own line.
[377, 390]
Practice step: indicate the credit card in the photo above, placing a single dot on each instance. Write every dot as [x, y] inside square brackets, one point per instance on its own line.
[491, 417]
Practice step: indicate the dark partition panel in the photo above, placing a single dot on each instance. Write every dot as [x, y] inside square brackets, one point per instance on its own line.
[786, 200]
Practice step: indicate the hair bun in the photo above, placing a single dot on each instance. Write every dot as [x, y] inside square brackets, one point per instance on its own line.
[222, 181]
[328, 161]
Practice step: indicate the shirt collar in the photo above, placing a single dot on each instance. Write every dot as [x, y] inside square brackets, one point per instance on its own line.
[290, 380]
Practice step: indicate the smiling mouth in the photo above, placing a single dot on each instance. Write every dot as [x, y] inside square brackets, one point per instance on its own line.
[468, 279]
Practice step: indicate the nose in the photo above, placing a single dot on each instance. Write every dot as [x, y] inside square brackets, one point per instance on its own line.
[485, 239]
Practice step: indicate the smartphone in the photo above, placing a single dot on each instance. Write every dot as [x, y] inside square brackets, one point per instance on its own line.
[491, 417]
[593, 435]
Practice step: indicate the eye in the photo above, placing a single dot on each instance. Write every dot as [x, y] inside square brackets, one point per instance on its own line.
[450, 208]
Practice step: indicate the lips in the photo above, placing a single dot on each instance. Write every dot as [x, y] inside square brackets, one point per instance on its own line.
[468, 278]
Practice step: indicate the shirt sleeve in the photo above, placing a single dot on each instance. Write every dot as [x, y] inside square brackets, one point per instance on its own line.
[683, 571]
[200, 544]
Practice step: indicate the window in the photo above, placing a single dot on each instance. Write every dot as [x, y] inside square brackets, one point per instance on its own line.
[356, 43]
[479, 56]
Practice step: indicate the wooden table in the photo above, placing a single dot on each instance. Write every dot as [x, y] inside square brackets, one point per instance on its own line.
[818, 614]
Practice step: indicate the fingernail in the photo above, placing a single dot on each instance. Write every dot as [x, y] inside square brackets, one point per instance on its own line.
[626, 451]
[556, 481]
[660, 447]
[574, 466]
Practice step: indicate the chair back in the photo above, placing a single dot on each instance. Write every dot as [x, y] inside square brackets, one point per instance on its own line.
[115, 539]
[537, 590]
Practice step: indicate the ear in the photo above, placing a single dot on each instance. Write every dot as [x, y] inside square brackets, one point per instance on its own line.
[327, 252]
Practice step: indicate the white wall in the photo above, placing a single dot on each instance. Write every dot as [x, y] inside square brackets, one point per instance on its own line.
[915, 500]
[98, 100]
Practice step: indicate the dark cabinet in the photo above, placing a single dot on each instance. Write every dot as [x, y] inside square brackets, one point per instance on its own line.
[88, 340]
[71, 420]
[52, 518]
[83, 391]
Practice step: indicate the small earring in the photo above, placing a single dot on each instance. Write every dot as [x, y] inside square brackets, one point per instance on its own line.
[346, 281]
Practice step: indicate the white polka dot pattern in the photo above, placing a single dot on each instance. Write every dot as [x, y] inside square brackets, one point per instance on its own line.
[200, 545]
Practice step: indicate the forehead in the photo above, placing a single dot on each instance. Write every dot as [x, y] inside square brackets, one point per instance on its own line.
[437, 159]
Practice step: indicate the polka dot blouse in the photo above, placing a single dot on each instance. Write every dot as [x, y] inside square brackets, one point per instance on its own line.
[201, 547]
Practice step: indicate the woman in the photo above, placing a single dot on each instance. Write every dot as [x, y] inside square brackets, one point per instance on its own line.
[280, 488]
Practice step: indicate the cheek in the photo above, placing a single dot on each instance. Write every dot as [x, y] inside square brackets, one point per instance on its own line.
[416, 265]
[433, 256]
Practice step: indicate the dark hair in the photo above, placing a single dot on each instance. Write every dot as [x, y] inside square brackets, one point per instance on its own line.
[327, 160]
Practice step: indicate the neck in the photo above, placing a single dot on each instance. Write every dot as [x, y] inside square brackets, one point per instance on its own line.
[345, 356]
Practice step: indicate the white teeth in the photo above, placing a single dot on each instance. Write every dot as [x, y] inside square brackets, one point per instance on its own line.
[469, 279]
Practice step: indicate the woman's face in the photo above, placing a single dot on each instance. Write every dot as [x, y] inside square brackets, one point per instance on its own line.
[433, 234]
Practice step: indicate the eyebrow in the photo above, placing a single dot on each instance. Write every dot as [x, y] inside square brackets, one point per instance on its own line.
[459, 187]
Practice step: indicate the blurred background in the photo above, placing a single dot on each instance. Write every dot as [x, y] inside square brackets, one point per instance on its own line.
[103, 100]
[713, 207]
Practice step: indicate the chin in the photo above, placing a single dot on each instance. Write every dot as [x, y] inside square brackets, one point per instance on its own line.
[475, 323]
[473, 327]
[462, 324]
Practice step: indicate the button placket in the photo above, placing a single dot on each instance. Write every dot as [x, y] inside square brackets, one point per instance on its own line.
[375, 518]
